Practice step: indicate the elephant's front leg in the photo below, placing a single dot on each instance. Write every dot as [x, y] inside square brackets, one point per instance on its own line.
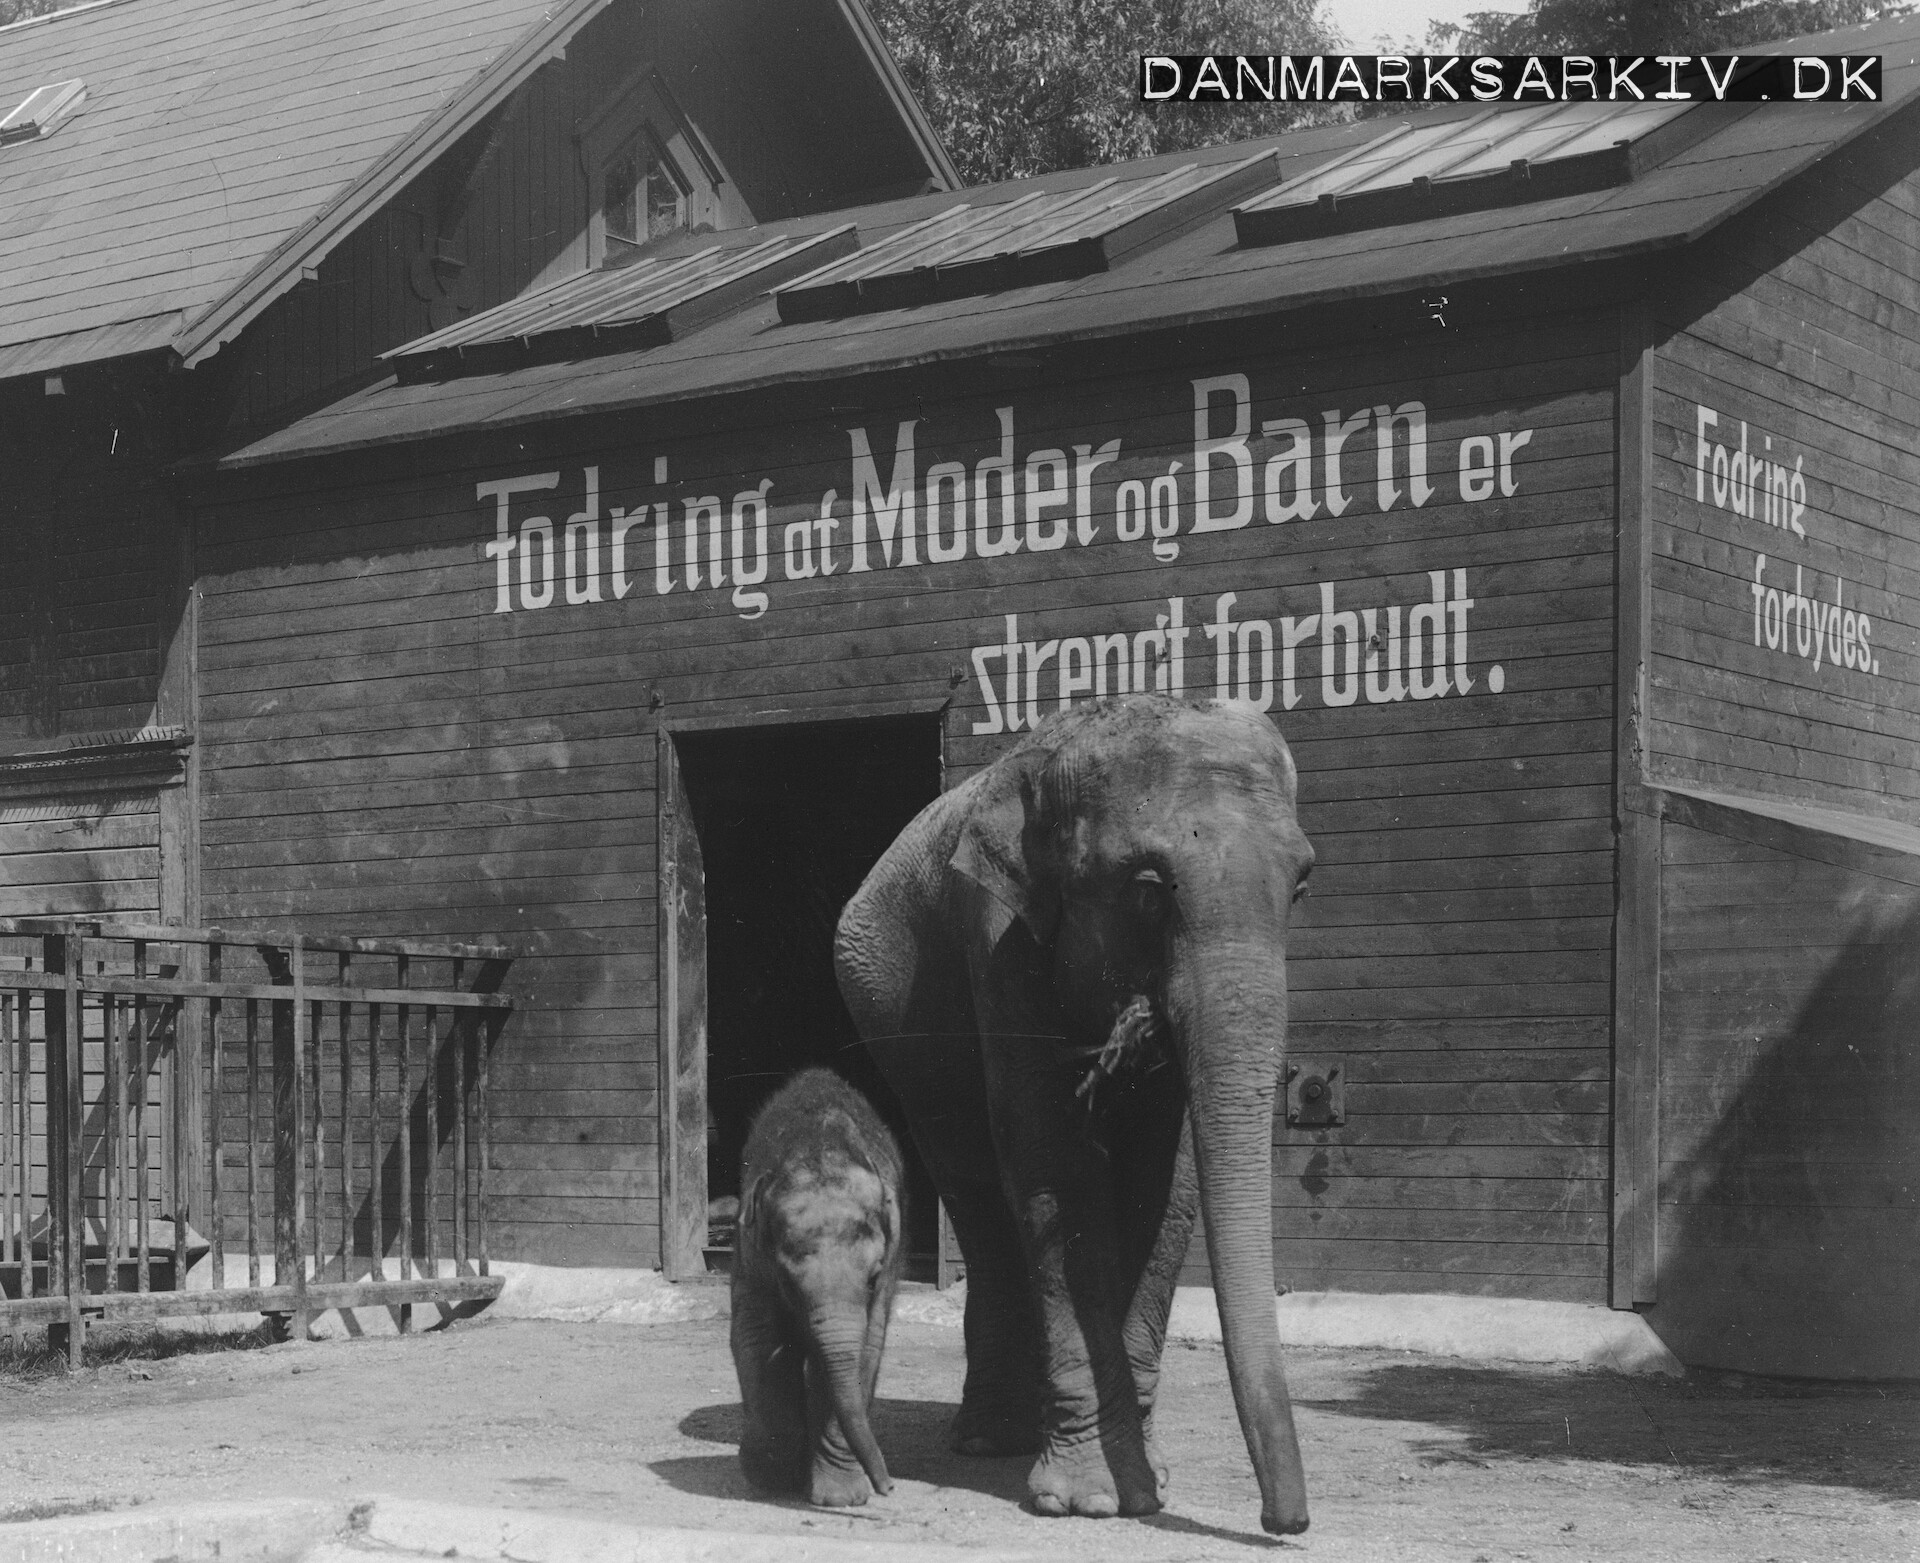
[770, 1361]
[1093, 1459]
[1159, 1198]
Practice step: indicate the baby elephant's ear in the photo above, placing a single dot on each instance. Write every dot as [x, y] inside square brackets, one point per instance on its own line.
[1003, 849]
[750, 1203]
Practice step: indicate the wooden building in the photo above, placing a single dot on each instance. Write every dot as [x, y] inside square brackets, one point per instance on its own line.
[1547, 475]
[219, 212]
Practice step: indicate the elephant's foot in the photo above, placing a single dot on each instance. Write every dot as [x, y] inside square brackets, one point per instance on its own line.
[987, 1432]
[772, 1468]
[837, 1487]
[1093, 1480]
[1156, 1462]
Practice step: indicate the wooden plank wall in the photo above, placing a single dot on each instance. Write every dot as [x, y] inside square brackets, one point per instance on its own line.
[86, 553]
[1790, 1102]
[386, 750]
[84, 856]
[1800, 327]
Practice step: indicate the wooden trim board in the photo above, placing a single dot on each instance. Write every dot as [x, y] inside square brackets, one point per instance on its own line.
[1636, 949]
[683, 1024]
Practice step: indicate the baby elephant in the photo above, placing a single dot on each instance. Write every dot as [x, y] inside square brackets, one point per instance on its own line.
[815, 1265]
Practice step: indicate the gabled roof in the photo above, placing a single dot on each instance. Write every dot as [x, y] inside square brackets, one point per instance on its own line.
[1200, 274]
[225, 145]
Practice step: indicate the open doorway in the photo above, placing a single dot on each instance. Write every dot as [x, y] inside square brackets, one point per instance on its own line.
[790, 819]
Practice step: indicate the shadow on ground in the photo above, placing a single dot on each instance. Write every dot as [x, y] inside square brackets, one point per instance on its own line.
[1857, 1436]
[912, 1432]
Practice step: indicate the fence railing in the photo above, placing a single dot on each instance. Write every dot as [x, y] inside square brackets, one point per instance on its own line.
[312, 1108]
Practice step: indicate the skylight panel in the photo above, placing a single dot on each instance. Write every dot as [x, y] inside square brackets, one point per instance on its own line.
[1496, 158]
[654, 300]
[1045, 236]
[44, 110]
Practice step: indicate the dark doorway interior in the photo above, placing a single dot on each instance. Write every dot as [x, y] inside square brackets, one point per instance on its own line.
[790, 821]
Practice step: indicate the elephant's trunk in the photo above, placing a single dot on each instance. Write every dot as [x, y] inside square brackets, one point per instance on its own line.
[838, 1346]
[1229, 1010]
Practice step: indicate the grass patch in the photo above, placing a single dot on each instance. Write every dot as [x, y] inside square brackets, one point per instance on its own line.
[107, 1345]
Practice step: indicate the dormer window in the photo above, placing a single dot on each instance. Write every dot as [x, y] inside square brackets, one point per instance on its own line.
[647, 197]
[649, 174]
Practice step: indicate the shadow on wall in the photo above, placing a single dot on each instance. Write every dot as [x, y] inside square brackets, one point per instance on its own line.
[1790, 1232]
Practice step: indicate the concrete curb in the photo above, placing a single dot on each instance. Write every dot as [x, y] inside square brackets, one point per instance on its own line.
[268, 1531]
[1475, 1329]
[520, 1536]
[294, 1530]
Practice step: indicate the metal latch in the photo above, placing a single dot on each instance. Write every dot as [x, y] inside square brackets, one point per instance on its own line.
[1316, 1093]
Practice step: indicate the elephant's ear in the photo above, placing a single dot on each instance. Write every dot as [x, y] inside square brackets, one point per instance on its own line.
[1003, 849]
[749, 1218]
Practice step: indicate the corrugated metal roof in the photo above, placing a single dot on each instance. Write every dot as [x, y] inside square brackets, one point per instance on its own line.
[650, 301]
[1042, 234]
[1497, 157]
[213, 132]
[1199, 275]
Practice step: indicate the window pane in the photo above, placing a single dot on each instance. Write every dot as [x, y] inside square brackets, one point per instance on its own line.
[666, 204]
[621, 208]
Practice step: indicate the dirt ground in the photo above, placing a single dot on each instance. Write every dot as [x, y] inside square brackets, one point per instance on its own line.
[1408, 1458]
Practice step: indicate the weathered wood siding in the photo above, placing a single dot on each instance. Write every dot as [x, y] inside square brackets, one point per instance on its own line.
[399, 737]
[84, 856]
[1789, 1101]
[86, 549]
[1787, 628]
[380, 756]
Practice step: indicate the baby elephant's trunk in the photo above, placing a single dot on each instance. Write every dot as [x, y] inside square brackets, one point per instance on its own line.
[839, 1343]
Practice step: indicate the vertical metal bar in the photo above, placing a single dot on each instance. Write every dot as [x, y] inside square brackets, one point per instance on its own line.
[23, 1094]
[253, 1151]
[485, 1125]
[216, 1149]
[16, 1215]
[143, 1279]
[74, 1240]
[317, 1167]
[296, 1226]
[346, 1122]
[430, 1089]
[12, 1218]
[406, 1141]
[113, 1067]
[462, 1078]
[143, 1275]
[375, 1154]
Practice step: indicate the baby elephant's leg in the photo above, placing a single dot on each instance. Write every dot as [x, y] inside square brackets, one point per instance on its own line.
[771, 1365]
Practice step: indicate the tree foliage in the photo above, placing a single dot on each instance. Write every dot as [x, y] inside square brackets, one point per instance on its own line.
[20, 10]
[1649, 26]
[1018, 87]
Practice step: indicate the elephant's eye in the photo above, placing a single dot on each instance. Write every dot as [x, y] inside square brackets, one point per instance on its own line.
[1149, 893]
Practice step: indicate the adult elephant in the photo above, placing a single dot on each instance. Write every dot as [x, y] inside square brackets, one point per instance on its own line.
[1072, 970]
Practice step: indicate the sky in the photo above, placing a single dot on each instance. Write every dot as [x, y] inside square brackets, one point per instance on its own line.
[1401, 21]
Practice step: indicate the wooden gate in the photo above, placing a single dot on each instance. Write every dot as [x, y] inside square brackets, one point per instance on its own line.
[312, 1108]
